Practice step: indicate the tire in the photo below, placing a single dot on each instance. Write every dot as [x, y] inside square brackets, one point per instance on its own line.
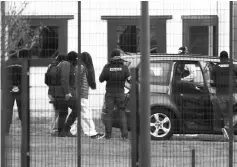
[161, 124]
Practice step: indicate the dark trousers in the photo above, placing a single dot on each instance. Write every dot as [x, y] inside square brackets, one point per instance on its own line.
[9, 100]
[113, 100]
[71, 103]
[221, 104]
[62, 107]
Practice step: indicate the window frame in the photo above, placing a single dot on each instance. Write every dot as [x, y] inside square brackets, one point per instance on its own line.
[202, 20]
[113, 21]
[60, 21]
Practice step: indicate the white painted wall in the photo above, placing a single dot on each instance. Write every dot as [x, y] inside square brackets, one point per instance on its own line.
[94, 31]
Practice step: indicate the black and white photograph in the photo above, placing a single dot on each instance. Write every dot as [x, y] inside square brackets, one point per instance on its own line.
[118, 83]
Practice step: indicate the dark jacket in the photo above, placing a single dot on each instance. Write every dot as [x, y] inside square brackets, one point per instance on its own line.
[220, 76]
[66, 69]
[115, 73]
[13, 71]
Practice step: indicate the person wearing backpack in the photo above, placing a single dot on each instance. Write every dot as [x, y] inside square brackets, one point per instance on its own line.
[61, 91]
[115, 73]
[52, 80]
[68, 90]
[13, 69]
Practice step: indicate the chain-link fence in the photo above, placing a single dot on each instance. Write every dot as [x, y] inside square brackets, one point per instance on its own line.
[185, 121]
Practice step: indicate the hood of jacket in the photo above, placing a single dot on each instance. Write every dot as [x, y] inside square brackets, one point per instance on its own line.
[116, 59]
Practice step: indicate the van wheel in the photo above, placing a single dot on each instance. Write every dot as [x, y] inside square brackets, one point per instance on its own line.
[161, 124]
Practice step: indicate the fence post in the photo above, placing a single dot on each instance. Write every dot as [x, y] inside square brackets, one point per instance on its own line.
[134, 97]
[231, 89]
[2, 116]
[25, 109]
[193, 157]
[144, 108]
[78, 90]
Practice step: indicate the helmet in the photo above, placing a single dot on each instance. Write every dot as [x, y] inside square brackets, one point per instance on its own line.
[115, 52]
[183, 50]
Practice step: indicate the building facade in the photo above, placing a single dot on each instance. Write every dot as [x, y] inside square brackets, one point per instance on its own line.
[201, 26]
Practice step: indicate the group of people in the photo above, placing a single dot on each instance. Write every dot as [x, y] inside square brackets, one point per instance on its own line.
[115, 73]
[62, 92]
[63, 96]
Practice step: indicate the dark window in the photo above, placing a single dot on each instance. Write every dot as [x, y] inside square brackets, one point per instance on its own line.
[198, 40]
[200, 34]
[124, 33]
[48, 42]
[128, 38]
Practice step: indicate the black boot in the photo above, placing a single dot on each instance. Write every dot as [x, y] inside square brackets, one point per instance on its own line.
[66, 132]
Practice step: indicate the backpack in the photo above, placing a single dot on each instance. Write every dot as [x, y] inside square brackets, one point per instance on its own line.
[53, 75]
[14, 77]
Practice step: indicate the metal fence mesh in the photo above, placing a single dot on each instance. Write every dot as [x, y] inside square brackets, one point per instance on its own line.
[201, 26]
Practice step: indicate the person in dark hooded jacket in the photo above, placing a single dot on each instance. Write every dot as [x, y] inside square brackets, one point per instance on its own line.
[13, 69]
[115, 73]
[220, 75]
[52, 91]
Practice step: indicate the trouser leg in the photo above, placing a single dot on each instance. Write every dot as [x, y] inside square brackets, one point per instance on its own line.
[18, 103]
[72, 116]
[70, 120]
[55, 123]
[87, 122]
[9, 101]
[217, 114]
[109, 106]
[223, 103]
[56, 117]
[121, 109]
[63, 112]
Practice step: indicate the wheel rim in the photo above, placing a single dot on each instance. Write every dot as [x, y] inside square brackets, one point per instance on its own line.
[160, 125]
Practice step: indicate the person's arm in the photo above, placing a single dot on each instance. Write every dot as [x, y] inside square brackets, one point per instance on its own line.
[127, 78]
[104, 74]
[50, 92]
[127, 73]
[192, 73]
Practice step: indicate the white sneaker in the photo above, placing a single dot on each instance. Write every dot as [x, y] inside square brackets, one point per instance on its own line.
[97, 136]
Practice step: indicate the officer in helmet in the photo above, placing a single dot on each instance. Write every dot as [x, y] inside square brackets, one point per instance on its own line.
[115, 73]
[220, 80]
